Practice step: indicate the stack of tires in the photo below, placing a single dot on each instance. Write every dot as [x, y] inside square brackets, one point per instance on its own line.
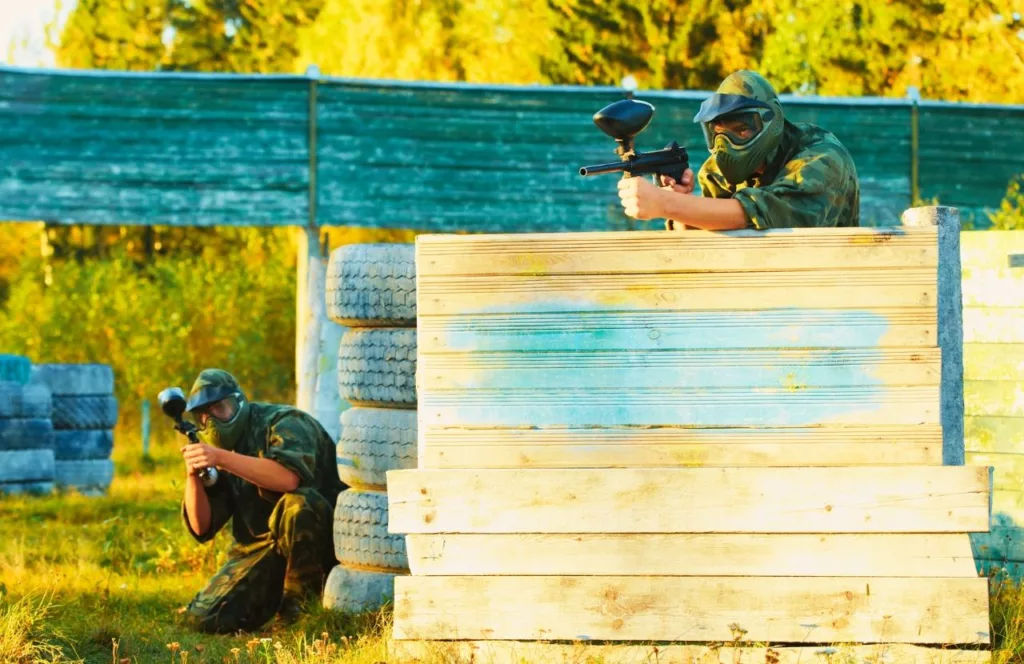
[84, 414]
[371, 289]
[26, 433]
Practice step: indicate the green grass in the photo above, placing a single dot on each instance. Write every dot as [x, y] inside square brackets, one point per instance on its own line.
[105, 580]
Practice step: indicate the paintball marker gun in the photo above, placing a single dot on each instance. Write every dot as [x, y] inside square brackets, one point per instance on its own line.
[172, 402]
[623, 120]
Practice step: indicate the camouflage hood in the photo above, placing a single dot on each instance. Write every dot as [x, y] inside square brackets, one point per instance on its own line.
[752, 101]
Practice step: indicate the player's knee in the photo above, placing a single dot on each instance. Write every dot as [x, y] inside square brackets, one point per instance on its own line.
[295, 510]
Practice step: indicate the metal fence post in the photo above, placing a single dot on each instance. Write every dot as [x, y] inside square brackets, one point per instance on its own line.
[950, 323]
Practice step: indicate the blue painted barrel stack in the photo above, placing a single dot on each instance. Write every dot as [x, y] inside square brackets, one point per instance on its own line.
[26, 431]
[84, 413]
[371, 290]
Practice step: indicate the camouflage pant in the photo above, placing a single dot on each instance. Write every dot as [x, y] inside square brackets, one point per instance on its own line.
[291, 560]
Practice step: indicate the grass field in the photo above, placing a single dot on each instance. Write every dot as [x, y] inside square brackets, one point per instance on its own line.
[104, 580]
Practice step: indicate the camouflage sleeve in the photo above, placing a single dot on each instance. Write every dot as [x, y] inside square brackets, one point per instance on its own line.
[292, 443]
[221, 509]
[810, 191]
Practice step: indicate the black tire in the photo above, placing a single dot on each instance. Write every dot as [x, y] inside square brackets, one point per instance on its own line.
[78, 379]
[91, 477]
[372, 285]
[15, 368]
[377, 367]
[76, 444]
[26, 434]
[354, 590]
[20, 466]
[84, 412]
[25, 401]
[361, 536]
[374, 441]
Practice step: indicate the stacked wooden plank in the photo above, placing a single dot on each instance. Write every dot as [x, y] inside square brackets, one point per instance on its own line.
[651, 446]
[993, 295]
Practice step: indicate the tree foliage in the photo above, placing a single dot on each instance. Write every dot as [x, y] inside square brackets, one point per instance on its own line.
[957, 50]
[962, 50]
[662, 43]
[256, 36]
[482, 41]
[161, 322]
[1009, 216]
[107, 35]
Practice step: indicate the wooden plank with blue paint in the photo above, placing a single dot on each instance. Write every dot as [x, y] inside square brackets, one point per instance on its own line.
[1000, 543]
[724, 407]
[794, 369]
[677, 330]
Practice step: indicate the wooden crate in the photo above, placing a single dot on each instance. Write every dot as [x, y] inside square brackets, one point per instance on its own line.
[651, 446]
[993, 296]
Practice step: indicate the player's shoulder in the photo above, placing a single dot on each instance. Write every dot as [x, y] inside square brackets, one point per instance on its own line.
[817, 152]
[814, 140]
[275, 417]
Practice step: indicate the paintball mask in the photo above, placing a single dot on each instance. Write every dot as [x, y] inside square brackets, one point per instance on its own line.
[220, 409]
[742, 124]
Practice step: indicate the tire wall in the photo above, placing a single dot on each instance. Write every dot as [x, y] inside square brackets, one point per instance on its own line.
[27, 464]
[84, 414]
[370, 298]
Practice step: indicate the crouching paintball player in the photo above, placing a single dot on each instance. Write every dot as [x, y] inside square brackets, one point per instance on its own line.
[277, 482]
[763, 172]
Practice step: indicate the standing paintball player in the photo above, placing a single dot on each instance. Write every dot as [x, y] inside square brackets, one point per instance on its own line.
[763, 172]
[278, 483]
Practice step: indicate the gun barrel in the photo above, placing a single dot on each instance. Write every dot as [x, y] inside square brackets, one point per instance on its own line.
[610, 167]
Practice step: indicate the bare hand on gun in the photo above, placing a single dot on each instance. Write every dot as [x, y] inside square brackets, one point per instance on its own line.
[199, 455]
[684, 187]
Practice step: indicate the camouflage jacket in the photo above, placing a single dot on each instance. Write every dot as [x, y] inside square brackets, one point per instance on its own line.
[811, 181]
[288, 436]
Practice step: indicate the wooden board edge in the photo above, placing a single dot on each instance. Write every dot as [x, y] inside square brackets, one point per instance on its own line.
[516, 652]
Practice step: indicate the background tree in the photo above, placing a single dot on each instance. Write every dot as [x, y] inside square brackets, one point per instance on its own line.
[956, 50]
[479, 41]
[114, 35]
[675, 44]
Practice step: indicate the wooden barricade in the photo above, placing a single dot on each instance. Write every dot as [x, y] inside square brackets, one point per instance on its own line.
[993, 296]
[676, 447]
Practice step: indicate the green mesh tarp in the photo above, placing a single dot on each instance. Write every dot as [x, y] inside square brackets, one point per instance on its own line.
[205, 149]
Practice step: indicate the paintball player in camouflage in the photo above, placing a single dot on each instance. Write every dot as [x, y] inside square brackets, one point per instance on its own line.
[278, 483]
[764, 171]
